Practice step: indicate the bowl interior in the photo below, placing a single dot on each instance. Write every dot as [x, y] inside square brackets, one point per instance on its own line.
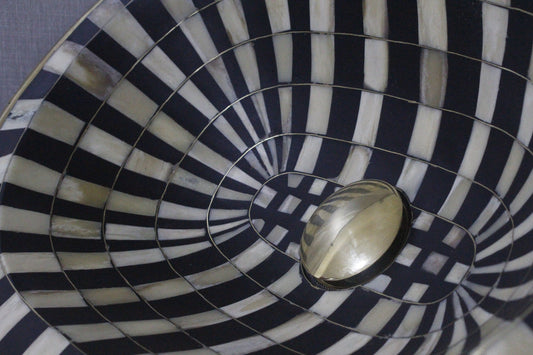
[162, 166]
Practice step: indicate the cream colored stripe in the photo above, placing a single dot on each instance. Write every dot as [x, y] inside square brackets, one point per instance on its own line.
[234, 21]
[50, 342]
[432, 340]
[54, 122]
[306, 160]
[516, 155]
[279, 17]
[408, 326]
[519, 231]
[378, 316]
[32, 176]
[53, 299]
[376, 66]
[90, 332]
[432, 29]
[494, 38]
[60, 60]
[459, 328]
[432, 32]
[196, 32]
[125, 29]
[24, 221]
[30, 262]
[93, 74]
[11, 312]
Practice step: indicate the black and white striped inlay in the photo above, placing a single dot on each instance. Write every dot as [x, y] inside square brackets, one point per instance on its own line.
[160, 169]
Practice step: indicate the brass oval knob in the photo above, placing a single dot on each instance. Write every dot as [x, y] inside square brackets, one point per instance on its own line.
[355, 234]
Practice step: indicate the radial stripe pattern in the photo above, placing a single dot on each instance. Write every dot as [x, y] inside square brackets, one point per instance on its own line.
[159, 171]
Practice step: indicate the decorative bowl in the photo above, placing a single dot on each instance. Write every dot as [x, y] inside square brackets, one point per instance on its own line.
[160, 166]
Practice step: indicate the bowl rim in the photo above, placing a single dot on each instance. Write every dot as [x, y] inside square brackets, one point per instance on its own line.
[37, 69]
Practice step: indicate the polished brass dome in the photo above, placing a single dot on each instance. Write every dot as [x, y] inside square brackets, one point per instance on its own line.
[355, 234]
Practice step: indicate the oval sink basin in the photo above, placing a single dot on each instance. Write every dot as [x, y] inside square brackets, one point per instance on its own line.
[160, 167]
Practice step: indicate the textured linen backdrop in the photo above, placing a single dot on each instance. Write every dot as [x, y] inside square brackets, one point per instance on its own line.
[28, 30]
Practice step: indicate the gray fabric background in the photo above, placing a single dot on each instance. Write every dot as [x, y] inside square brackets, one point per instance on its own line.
[28, 30]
